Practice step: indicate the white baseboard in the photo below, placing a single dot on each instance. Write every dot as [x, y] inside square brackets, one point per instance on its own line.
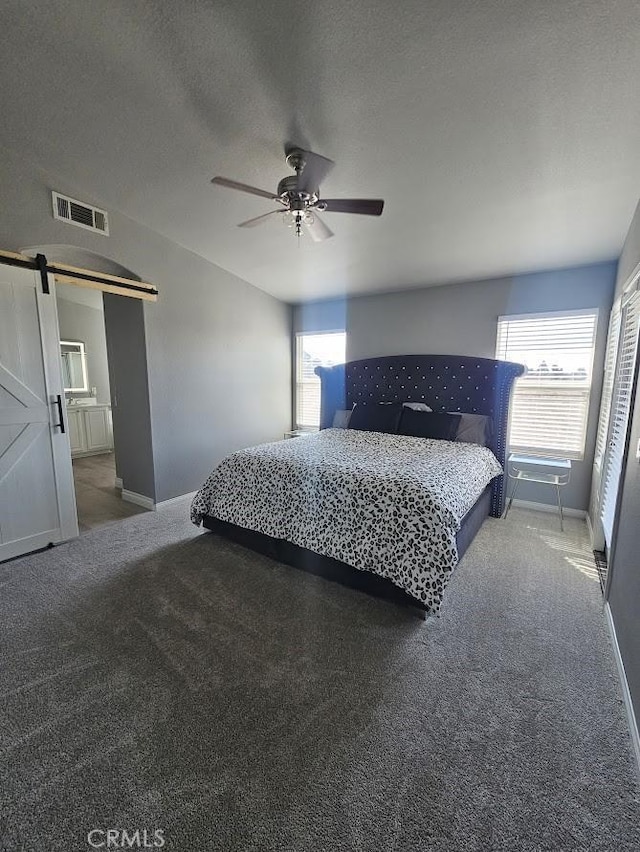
[83, 454]
[119, 482]
[164, 504]
[626, 694]
[148, 503]
[138, 499]
[547, 507]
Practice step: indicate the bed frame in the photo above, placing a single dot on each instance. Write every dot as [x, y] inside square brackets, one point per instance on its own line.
[445, 383]
[332, 569]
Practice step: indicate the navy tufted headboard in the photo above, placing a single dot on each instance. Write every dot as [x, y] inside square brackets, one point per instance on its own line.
[443, 382]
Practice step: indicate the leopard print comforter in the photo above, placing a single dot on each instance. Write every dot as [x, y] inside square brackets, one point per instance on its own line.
[389, 504]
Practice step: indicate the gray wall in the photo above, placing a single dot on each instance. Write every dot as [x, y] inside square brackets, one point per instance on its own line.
[461, 319]
[126, 344]
[624, 589]
[218, 349]
[80, 322]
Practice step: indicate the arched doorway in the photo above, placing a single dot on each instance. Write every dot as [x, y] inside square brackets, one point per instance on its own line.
[109, 414]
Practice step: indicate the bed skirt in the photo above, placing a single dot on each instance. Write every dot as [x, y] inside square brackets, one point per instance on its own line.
[332, 569]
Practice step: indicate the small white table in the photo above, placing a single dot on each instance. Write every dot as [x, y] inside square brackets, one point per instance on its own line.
[554, 472]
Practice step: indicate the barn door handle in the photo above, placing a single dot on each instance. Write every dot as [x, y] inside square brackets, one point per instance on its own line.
[60, 425]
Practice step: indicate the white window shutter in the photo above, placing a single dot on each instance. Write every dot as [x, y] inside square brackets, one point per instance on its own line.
[597, 479]
[619, 413]
[611, 357]
[551, 400]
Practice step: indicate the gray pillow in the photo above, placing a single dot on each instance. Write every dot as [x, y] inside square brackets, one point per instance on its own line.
[474, 429]
[341, 418]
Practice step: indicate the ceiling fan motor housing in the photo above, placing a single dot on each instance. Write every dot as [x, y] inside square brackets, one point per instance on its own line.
[288, 189]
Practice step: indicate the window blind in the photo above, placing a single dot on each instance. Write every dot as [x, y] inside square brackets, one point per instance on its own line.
[611, 357]
[314, 350]
[551, 400]
[597, 482]
[619, 410]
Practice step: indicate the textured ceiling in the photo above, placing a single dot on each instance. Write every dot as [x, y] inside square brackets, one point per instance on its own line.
[503, 135]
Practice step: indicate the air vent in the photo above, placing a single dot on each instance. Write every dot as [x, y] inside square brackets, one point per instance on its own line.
[77, 213]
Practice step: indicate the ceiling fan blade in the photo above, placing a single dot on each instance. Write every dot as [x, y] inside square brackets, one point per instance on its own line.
[315, 169]
[317, 230]
[365, 206]
[243, 187]
[258, 220]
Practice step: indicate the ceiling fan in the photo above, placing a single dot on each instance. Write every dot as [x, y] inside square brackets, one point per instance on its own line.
[299, 196]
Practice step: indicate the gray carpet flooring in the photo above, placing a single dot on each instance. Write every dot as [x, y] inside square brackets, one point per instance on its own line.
[156, 677]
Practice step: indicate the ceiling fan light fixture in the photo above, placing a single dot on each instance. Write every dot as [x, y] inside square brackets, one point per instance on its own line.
[296, 218]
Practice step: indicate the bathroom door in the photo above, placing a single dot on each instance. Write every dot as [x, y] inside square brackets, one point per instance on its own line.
[37, 500]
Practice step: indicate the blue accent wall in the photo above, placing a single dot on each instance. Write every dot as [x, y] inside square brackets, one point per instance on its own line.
[320, 316]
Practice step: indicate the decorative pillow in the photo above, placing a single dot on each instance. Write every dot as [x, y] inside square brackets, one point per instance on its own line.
[376, 417]
[341, 418]
[474, 429]
[417, 406]
[429, 424]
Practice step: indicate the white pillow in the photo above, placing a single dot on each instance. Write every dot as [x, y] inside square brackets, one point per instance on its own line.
[417, 406]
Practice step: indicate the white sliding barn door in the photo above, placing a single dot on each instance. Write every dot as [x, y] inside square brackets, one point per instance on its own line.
[37, 499]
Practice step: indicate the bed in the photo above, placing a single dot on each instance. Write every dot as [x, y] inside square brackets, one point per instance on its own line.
[390, 514]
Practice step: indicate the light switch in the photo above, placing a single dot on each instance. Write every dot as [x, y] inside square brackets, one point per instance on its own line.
[638, 451]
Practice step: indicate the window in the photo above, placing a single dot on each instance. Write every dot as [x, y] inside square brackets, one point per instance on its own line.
[601, 461]
[617, 408]
[551, 400]
[610, 360]
[313, 350]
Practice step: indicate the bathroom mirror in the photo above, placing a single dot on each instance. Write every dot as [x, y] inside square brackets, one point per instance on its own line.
[74, 366]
